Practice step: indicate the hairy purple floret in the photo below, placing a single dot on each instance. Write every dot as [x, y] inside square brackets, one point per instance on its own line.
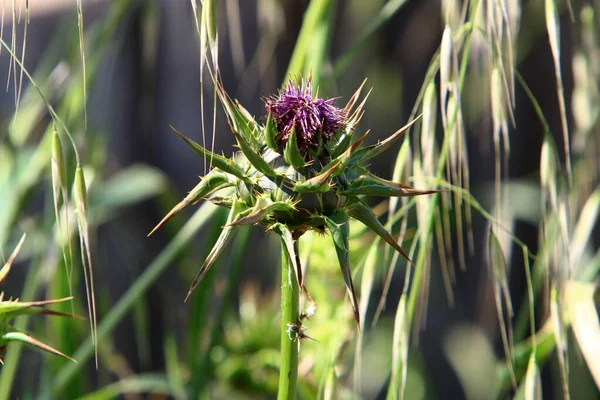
[316, 120]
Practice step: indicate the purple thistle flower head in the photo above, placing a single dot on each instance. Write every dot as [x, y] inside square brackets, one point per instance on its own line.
[316, 120]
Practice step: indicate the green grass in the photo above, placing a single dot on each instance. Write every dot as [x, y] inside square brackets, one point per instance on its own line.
[226, 341]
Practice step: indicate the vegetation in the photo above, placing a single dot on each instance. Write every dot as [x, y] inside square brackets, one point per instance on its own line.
[495, 295]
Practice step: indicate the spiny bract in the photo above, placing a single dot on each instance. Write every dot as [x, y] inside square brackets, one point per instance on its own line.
[299, 171]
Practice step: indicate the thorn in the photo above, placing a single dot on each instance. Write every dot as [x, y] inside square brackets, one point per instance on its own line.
[189, 293]
[298, 331]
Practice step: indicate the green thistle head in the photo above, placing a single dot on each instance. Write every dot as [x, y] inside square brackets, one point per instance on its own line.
[302, 170]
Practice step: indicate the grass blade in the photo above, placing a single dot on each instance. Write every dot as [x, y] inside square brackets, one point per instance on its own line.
[560, 338]
[8, 264]
[134, 293]
[579, 298]
[399, 352]
[80, 196]
[553, 28]
[501, 292]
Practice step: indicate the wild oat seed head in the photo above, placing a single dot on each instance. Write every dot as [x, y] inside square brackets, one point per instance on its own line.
[316, 120]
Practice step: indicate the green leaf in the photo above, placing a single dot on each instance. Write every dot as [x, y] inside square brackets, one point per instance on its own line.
[263, 207]
[247, 121]
[371, 185]
[223, 163]
[316, 184]
[210, 183]
[291, 153]
[239, 118]
[226, 235]
[339, 226]
[360, 211]
[23, 338]
[347, 156]
[341, 145]
[254, 156]
[530, 387]
[11, 309]
[287, 244]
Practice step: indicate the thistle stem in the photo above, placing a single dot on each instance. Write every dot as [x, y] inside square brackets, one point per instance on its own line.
[288, 372]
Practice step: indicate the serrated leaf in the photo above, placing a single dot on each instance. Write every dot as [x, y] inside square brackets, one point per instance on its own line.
[254, 156]
[316, 184]
[371, 185]
[341, 145]
[224, 238]
[11, 309]
[339, 165]
[240, 121]
[248, 120]
[23, 338]
[339, 227]
[291, 153]
[210, 183]
[221, 162]
[261, 210]
[287, 241]
[363, 213]
[8, 265]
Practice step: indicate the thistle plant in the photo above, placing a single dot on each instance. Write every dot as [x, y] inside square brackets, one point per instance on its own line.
[301, 170]
[10, 309]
